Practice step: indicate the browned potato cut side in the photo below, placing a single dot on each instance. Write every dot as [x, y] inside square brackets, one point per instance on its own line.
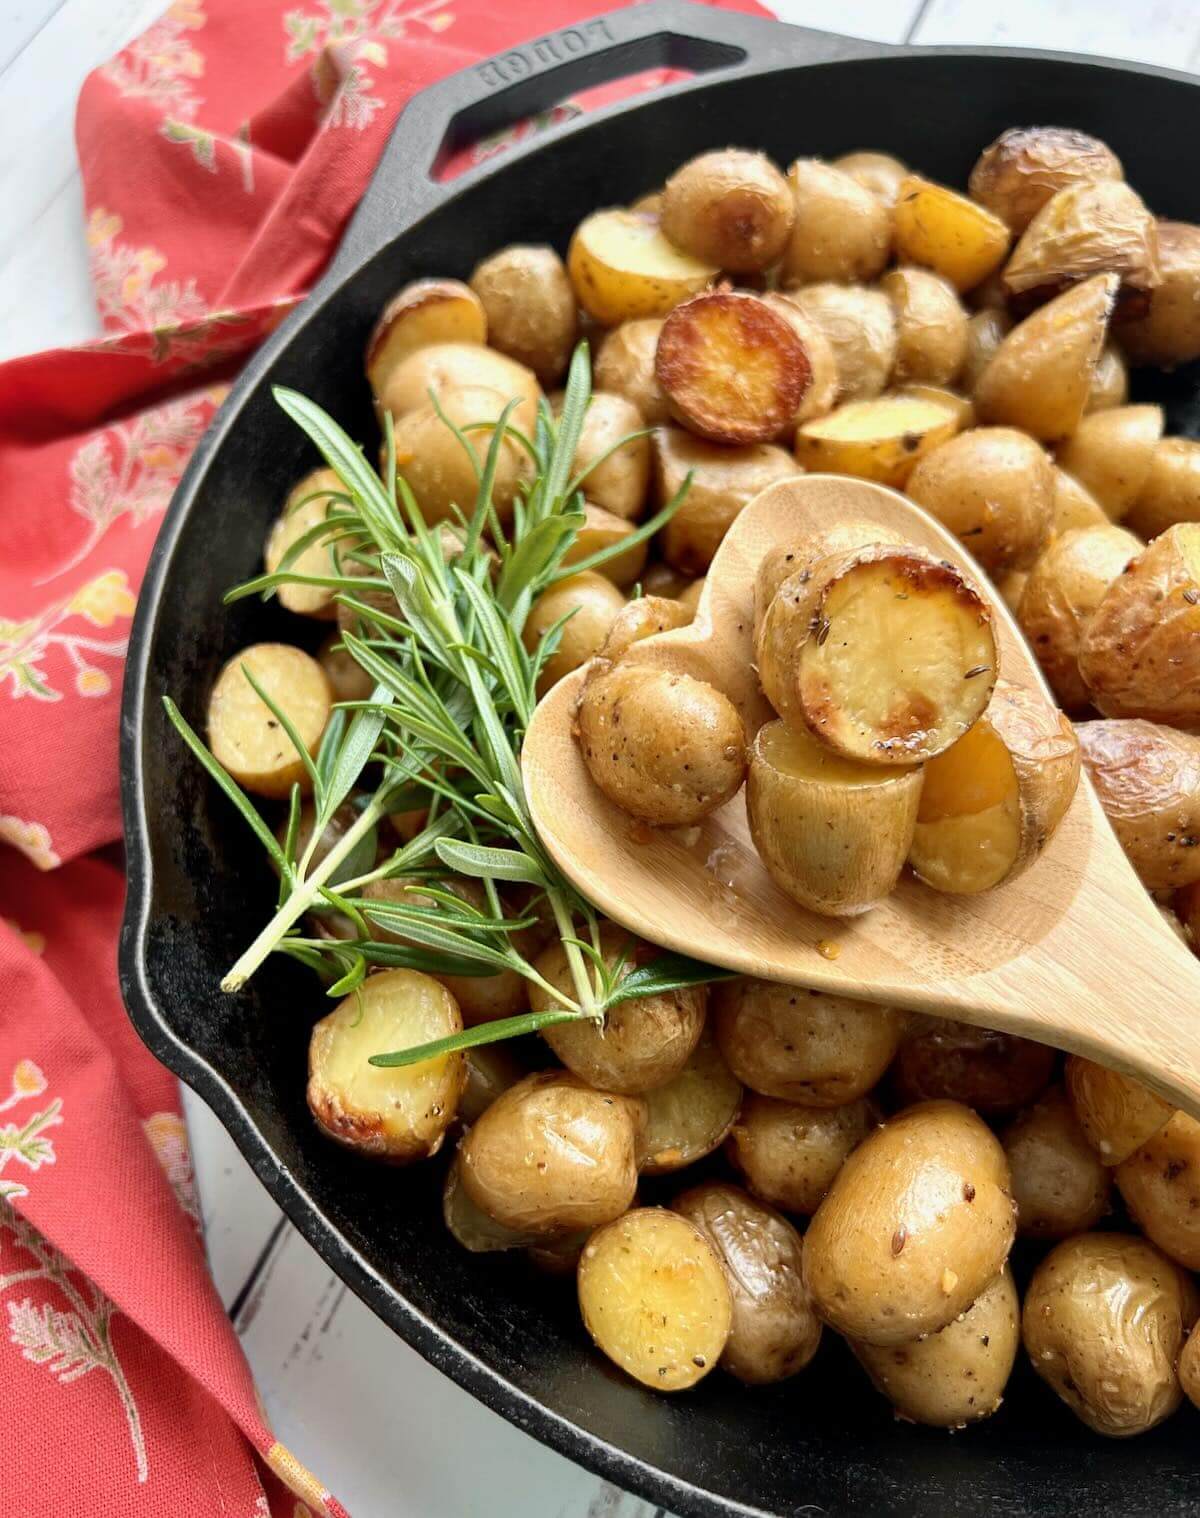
[1110, 383]
[425, 312]
[655, 1299]
[602, 530]
[396, 1114]
[440, 471]
[931, 326]
[946, 232]
[832, 832]
[644, 618]
[591, 603]
[1171, 491]
[308, 504]
[615, 477]
[1027, 166]
[430, 372]
[244, 734]
[860, 327]
[878, 172]
[691, 1114]
[1147, 778]
[1160, 1185]
[625, 367]
[1096, 227]
[1111, 452]
[880, 440]
[729, 208]
[994, 1073]
[789, 1153]
[1169, 332]
[623, 268]
[530, 308]
[1060, 1186]
[842, 232]
[1117, 1113]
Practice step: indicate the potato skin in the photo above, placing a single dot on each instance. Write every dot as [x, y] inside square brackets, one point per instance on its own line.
[992, 1072]
[440, 471]
[1189, 1368]
[841, 231]
[1095, 227]
[1117, 1113]
[731, 208]
[1074, 505]
[620, 483]
[823, 381]
[449, 366]
[243, 734]
[918, 1221]
[594, 602]
[986, 330]
[550, 1156]
[1025, 167]
[302, 510]
[424, 312]
[878, 172]
[644, 618]
[1103, 1324]
[1148, 780]
[1060, 1186]
[931, 326]
[691, 1114]
[1110, 383]
[530, 307]
[1110, 453]
[1171, 492]
[860, 327]
[664, 747]
[1160, 1185]
[1169, 332]
[957, 1375]
[625, 367]
[774, 1332]
[723, 481]
[993, 488]
[789, 1153]
[602, 530]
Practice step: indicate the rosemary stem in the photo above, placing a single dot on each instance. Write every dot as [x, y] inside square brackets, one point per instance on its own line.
[579, 971]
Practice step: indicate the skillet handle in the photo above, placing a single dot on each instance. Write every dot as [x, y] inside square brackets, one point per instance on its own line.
[504, 89]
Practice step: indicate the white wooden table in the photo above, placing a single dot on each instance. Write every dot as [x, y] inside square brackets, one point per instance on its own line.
[331, 1377]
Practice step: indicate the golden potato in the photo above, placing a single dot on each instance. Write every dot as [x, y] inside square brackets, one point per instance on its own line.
[664, 747]
[592, 603]
[789, 1153]
[885, 653]
[246, 737]
[666, 581]
[691, 1114]
[1140, 654]
[946, 232]
[1189, 1368]
[550, 1156]
[1027, 166]
[429, 372]
[469, 1225]
[730, 208]
[395, 1114]
[1096, 227]
[655, 1298]
[347, 678]
[623, 268]
[723, 480]
[878, 172]
[1117, 1113]
[1011, 586]
[1160, 1185]
[732, 367]
[880, 440]
[491, 1070]
[992, 802]
[774, 1332]
[842, 232]
[823, 382]
[993, 488]
[986, 330]
[1169, 332]
[441, 472]
[308, 504]
[1058, 1181]
[689, 597]
[957, 1375]
[1171, 491]
[425, 312]
[833, 832]
[803, 1046]
[1064, 588]
[1110, 383]
[530, 307]
[1041, 375]
[1103, 1324]
[961, 407]
[601, 530]
[1110, 454]
[917, 1223]
[615, 477]
[1073, 505]
[931, 326]
[625, 367]
[860, 327]
[640, 619]
[943, 1060]
[1147, 779]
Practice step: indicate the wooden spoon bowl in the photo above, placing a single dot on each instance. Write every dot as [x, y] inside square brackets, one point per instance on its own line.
[1072, 953]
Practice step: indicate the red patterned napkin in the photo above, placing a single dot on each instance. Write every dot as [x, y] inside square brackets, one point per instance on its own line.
[222, 153]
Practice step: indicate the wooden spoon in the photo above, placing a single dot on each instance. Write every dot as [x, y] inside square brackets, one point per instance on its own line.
[1072, 953]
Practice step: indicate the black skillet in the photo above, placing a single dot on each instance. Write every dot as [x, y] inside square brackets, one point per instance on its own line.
[198, 887]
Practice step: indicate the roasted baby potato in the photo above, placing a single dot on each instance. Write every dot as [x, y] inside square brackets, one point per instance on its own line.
[1140, 652]
[878, 172]
[803, 1046]
[396, 1114]
[961, 407]
[550, 1156]
[1147, 778]
[1110, 383]
[1171, 492]
[602, 530]
[425, 312]
[789, 1153]
[491, 1070]
[431, 371]
[730, 208]
[1011, 586]
[946, 232]
[643, 618]
[1169, 332]
[1160, 1185]
[1073, 505]
[1064, 588]
[931, 327]
[832, 832]
[774, 1332]
[732, 367]
[1027, 166]
[1103, 1323]
[723, 480]
[986, 330]
[1058, 1181]
[881, 439]
[625, 367]
[469, 1225]
[957, 1375]
[623, 268]
[616, 474]
[943, 1060]
[1189, 1368]
[842, 232]
[990, 804]
[245, 735]
[347, 678]
[823, 382]
[591, 603]
[860, 328]
[530, 308]
[691, 1114]
[917, 1223]
[1096, 227]
[1117, 1113]
[993, 487]
[885, 653]
[440, 471]
[1110, 453]
[664, 747]
[308, 504]
[1040, 377]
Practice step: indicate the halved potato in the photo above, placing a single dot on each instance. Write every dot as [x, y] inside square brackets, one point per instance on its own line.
[625, 367]
[962, 407]
[440, 471]
[731, 208]
[723, 480]
[931, 326]
[615, 477]
[1110, 383]
[308, 503]
[394, 1114]
[994, 1073]
[244, 734]
[991, 803]
[1147, 778]
[1171, 490]
[842, 232]
[733, 368]
[1169, 332]
[602, 529]
[1117, 1113]
[944, 231]
[425, 312]
[643, 618]
[789, 1153]
[1095, 227]
[623, 268]
[1111, 452]
[832, 832]
[1027, 166]
[1074, 505]
[860, 328]
[655, 1299]
[1058, 1182]
[530, 307]
[986, 330]
[1041, 375]
[879, 440]
[689, 1116]
[591, 603]
[429, 372]
[878, 172]
[885, 653]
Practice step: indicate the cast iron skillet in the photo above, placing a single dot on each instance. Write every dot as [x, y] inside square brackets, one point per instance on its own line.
[198, 886]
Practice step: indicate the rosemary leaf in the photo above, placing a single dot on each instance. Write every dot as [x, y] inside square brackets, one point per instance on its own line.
[471, 1038]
